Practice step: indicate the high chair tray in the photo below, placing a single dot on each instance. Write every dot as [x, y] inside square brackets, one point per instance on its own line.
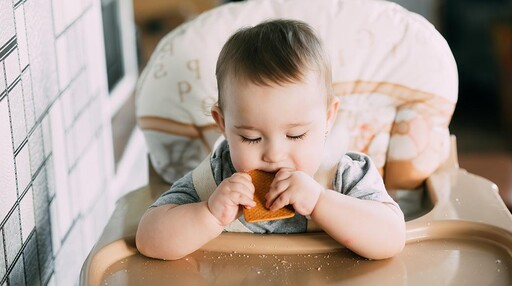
[463, 237]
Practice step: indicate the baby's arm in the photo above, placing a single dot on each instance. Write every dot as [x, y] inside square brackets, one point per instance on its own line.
[372, 229]
[174, 231]
[369, 228]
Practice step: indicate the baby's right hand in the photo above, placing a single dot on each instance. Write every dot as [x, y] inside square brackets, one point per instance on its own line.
[230, 196]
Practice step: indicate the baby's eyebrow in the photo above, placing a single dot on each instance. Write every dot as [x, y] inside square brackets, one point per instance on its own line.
[291, 125]
[244, 127]
[298, 124]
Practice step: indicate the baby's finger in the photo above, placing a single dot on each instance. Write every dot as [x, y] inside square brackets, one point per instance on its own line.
[239, 184]
[240, 198]
[276, 190]
[242, 175]
[243, 179]
[280, 202]
[282, 174]
[239, 189]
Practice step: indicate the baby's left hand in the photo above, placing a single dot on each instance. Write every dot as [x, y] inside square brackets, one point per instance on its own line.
[294, 188]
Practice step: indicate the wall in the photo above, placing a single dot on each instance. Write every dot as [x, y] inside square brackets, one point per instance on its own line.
[427, 8]
[56, 161]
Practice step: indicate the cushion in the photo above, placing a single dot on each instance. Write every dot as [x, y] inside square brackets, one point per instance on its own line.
[394, 74]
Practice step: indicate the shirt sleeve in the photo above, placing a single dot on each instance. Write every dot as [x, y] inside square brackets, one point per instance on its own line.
[358, 177]
[181, 192]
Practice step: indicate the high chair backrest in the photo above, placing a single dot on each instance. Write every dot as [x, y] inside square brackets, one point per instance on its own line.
[393, 73]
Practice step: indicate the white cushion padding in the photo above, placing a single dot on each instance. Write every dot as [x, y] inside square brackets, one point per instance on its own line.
[394, 74]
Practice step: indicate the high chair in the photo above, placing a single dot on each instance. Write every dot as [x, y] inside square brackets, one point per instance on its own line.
[397, 83]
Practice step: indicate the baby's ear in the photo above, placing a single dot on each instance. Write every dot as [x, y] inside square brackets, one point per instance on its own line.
[332, 112]
[218, 116]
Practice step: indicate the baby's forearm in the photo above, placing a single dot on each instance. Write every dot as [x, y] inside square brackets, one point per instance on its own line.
[371, 229]
[172, 232]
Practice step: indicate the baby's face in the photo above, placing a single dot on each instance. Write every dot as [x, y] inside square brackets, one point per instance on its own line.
[274, 127]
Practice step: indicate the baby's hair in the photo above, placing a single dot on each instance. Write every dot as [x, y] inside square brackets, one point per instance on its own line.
[273, 52]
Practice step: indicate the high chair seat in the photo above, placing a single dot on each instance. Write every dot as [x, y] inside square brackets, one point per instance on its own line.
[394, 74]
[464, 238]
[397, 82]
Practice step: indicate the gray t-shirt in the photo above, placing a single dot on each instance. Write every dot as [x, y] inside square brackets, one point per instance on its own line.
[356, 176]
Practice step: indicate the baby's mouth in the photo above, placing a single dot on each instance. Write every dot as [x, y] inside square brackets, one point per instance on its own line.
[273, 170]
[268, 171]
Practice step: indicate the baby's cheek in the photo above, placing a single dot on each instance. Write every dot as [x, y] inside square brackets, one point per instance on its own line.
[242, 163]
[309, 165]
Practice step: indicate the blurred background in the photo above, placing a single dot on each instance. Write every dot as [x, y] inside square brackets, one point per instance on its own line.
[69, 146]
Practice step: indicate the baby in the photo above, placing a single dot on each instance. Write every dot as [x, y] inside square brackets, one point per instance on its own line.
[275, 110]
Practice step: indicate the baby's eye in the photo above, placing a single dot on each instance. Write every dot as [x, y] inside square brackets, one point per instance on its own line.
[297, 137]
[250, 140]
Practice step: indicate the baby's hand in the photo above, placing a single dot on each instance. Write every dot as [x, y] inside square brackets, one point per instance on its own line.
[233, 193]
[294, 188]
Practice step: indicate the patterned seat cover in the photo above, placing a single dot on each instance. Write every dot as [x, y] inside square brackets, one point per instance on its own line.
[394, 74]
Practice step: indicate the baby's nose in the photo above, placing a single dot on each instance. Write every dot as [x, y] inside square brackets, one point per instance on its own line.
[274, 153]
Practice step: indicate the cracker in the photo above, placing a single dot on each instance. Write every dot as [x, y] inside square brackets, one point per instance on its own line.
[262, 181]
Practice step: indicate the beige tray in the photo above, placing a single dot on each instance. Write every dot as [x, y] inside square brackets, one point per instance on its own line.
[459, 232]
